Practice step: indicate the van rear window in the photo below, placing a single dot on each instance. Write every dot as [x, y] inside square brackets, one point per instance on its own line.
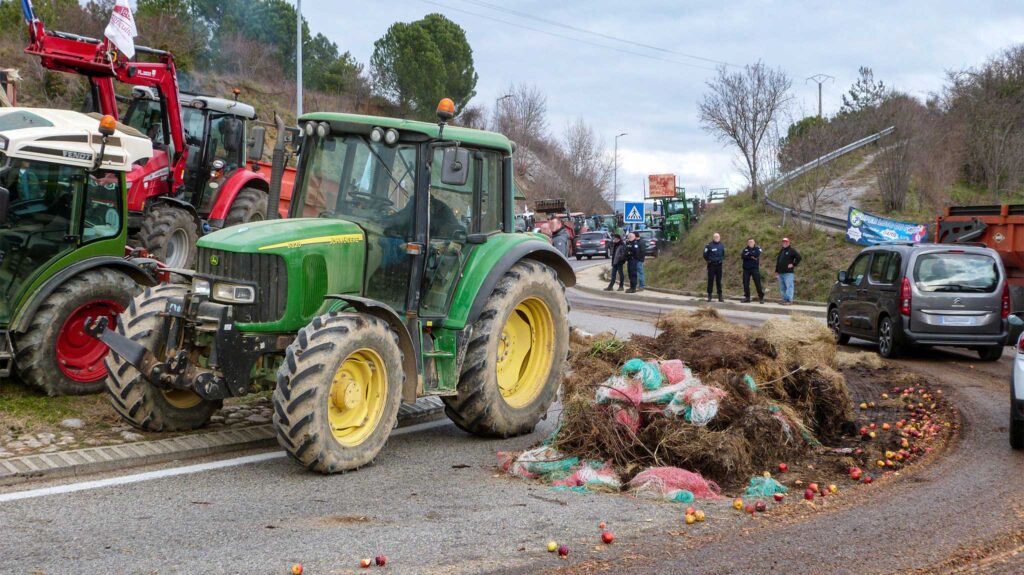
[947, 272]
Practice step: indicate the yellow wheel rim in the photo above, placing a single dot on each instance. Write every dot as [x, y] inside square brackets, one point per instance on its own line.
[356, 401]
[525, 351]
[182, 399]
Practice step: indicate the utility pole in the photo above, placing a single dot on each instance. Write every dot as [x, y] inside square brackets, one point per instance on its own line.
[615, 186]
[298, 58]
[820, 79]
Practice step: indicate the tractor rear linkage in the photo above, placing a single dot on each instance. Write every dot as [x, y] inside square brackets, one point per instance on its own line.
[179, 371]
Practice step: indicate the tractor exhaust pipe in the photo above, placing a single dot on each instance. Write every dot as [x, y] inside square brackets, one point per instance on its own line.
[276, 170]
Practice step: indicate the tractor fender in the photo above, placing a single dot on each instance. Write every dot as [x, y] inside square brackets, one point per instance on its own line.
[240, 178]
[168, 200]
[138, 274]
[405, 341]
[538, 251]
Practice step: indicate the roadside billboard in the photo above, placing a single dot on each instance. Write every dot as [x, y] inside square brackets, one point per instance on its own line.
[661, 186]
[868, 229]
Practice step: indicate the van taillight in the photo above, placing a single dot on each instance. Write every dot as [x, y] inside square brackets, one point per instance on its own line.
[905, 297]
[1006, 300]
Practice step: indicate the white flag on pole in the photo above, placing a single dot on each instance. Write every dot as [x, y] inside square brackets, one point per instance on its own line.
[121, 30]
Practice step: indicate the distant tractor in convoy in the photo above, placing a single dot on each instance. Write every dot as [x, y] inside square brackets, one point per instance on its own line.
[397, 276]
[63, 226]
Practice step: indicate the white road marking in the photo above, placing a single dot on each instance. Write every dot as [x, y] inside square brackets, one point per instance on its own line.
[175, 471]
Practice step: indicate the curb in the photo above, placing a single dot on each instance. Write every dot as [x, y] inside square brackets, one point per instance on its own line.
[751, 307]
[17, 470]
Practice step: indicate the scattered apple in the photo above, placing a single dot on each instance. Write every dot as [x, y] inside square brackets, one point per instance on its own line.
[873, 425]
[381, 560]
[863, 405]
[601, 525]
[886, 427]
[690, 518]
[783, 468]
[863, 430]
[809, 494]
[855, 474]
[737, 504]
[832, 488]
[880, 463]
[552, 546]
[761, 507]
[885, 396]
[868, 479]
[872, 435]
[813, 487]
[607, 537]
[750, 508]
[365, 563]
[563, 551]
[699, 515]
[778, 496]
[297, 569]
[690, 510]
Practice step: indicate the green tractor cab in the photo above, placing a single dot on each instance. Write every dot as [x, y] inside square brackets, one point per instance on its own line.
[397, 275]
[63, 224]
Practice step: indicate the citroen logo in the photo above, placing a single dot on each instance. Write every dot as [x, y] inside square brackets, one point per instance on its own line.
[214, 260]
[958, 301]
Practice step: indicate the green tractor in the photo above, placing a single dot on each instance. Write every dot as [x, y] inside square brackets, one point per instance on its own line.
[63, 226]
[678, 215]
[396, 276]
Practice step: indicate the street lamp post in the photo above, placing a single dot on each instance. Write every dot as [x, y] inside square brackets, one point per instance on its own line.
[298, 58]
[615, 185]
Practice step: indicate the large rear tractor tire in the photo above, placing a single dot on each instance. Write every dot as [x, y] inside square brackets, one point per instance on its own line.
[515, 359]
[169, 234]
[250, 205]
[338, 392]
[55, 354]
[135, 399]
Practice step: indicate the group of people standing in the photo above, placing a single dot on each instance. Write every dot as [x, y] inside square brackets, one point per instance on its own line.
[785, 267]
[628, 254]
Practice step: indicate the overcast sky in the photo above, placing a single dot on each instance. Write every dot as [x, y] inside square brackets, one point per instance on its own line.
[909, 44]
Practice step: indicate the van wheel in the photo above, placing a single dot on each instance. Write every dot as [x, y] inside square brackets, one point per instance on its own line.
[833, 324]
[887, 343]
[1016, 432]
[990, 353]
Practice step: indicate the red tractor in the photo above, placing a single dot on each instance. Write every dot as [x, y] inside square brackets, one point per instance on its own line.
[205, 172]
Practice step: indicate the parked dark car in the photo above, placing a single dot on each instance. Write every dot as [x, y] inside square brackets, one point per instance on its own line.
[652, 243]
[593, 244]
[902, 295]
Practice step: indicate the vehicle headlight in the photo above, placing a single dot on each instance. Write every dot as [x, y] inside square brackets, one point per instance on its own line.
[233, 293]
[200, 287]
[3, 144]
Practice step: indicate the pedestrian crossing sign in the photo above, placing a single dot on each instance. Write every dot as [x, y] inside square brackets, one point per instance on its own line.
[634, 213]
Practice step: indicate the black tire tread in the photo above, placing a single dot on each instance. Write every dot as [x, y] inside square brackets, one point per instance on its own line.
[35, 355]
[135, 399]
[159, 225]
[248, 202]
[478, 408]
[303, 381]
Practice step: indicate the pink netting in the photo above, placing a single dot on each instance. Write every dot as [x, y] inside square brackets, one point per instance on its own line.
[627, 416]
[603, 478]
[674, 371]
[698, 394]
[663, 480]
[620, 390]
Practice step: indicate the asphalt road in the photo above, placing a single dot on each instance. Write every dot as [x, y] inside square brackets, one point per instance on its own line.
[434, 502]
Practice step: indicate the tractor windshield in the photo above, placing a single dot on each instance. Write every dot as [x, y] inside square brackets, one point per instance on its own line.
[41, 223]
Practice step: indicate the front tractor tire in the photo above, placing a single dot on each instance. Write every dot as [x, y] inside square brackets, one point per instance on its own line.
[136, 400]
[55, 354]
[250, 205]
[338, 392]
[515, 359]
[169, 234]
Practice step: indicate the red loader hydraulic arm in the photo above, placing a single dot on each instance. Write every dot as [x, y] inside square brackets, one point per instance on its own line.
[102, 64]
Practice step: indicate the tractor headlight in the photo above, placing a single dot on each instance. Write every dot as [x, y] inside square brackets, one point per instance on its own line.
[376, 135]
[310, 128]
[3, 144]
[323, 129]
[200, 287]
[233, 293]
[391, 137]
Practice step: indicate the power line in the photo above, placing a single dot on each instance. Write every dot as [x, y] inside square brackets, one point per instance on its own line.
[564, 37]
[526, 15]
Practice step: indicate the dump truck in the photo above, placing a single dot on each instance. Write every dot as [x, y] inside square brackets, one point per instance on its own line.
[63, 233]
[396, 276]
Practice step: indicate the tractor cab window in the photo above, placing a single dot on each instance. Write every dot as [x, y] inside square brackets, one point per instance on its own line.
[372, 185]
[39, 223]
[102, 206]
[227, 141]
[147, 117]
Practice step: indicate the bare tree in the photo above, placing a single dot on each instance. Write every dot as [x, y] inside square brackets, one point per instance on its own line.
[473, 117]
[740, 109]
[523, 118]
[586, 169]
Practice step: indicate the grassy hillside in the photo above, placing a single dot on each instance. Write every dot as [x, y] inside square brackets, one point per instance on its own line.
[737, 219]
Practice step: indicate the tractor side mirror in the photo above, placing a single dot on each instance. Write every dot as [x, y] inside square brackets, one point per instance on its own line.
[5, 202]
[257, 140]
[455, 167]
[841, 276]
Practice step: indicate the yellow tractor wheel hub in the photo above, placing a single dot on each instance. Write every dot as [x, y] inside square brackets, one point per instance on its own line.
[356, 399]
[525, 351]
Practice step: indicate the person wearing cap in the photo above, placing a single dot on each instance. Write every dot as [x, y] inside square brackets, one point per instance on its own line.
[785, 265]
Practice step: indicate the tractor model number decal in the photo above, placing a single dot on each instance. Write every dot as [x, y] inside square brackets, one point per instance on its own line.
[337, 239]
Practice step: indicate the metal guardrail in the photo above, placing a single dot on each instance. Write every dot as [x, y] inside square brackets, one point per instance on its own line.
[819, 219]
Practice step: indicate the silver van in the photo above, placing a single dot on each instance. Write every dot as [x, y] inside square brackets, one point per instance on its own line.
[902, 295]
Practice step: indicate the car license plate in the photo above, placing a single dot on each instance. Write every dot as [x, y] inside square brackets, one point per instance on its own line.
[957, 320]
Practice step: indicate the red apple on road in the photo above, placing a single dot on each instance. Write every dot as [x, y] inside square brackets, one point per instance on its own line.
[381, 560]
[607, 537]
[809, 494]
[783, 468]
[778, 496]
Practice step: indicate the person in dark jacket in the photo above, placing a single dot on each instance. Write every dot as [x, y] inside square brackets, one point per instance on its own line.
[714, 255]
[752, 269]
[560, 236]
[618, 255]
[634, 255]
[785, 264]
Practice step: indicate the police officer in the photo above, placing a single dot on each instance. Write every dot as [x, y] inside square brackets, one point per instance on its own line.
[752, 269]
[714, 255]
[634, 255]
